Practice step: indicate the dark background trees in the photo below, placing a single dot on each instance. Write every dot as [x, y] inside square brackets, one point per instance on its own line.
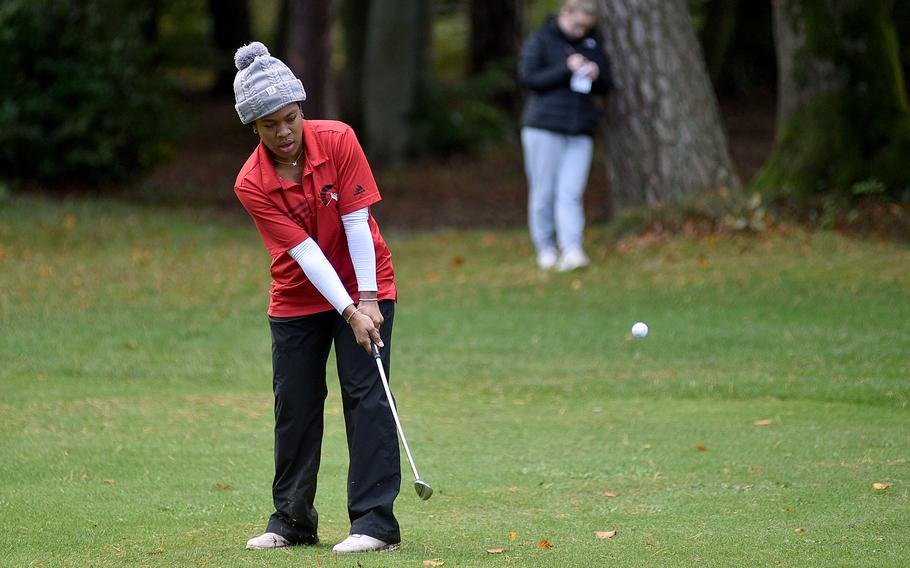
[423, 80]
[80, 100]
[231, 26]
[843, 116]
[306, 46]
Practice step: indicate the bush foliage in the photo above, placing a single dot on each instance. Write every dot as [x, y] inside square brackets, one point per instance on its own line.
[80, 102]
[464, 117]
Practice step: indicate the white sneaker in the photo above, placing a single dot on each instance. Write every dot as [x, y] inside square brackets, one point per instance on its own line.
[363, 543]
[267, 540]
[547, 259]
[572, 260]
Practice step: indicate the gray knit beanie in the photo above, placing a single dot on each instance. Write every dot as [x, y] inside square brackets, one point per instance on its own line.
[263, 83]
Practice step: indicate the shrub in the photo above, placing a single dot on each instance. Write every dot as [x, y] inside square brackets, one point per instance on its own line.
[463, 118]
[80, 102]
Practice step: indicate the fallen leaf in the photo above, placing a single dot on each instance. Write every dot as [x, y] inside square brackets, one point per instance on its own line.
[605, 534]
[881, 486]
[457, 261]
[701, 448]
[799, 530]
[544, 544]
[765, 422]
[495, 550]
[577, 285]
[512, 536]
[608, 494]
[789, 510]
[223, 486]
[434, 562]
[108, 481]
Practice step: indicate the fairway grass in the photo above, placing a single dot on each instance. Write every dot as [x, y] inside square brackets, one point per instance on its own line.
[747, 429]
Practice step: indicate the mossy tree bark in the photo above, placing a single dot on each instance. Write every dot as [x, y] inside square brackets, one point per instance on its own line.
[842, 105]
[665, 140]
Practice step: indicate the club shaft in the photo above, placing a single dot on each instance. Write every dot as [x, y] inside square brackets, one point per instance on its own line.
[388, 394]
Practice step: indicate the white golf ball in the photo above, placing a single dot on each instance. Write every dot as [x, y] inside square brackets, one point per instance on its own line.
[640, 329]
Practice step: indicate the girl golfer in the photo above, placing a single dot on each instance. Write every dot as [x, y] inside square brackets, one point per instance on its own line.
[308, 188]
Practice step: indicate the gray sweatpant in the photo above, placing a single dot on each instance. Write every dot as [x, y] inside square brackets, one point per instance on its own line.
[557, 167]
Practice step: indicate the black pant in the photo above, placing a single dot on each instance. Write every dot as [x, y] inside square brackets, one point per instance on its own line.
[300, 350]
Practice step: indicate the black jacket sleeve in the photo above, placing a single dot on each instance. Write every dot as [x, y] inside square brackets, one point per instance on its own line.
[535, 72]
[604, 82]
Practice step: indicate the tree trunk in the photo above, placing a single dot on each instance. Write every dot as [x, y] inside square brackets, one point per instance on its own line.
[231, 29]
[280, 42]
[902, 21]
[150, 29]
[497, 30]
[664, 136]
[738, 42]
[309, 54]
[718, 35]
[354, 16]
[843, 116]
[396, 61]
[816, 76]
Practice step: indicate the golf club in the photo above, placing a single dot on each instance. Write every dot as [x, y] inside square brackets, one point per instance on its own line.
[424, 491]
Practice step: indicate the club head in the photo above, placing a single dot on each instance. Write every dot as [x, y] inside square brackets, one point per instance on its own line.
[424, 491]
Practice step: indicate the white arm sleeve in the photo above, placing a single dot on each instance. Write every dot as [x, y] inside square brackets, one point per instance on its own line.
[317, 268]
[360, 244]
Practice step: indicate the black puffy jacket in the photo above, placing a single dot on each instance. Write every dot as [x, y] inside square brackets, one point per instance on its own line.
[542, 70]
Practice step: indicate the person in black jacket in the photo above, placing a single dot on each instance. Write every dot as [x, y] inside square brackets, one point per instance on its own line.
[565, 70]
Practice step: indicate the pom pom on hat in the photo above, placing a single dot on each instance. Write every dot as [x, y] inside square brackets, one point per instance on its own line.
[246, 54]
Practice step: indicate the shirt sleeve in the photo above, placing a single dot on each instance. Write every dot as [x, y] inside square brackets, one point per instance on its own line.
[356, 186]
[318, 270]
[279, 233]
[360, 245]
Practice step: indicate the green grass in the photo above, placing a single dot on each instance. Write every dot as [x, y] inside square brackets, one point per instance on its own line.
[135, 403]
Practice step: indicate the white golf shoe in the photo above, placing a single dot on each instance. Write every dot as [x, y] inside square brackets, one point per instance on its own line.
[363, 543]
[572, 260]
[267, 540]
[547, 259]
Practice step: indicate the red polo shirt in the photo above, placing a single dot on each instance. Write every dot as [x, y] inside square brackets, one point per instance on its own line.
[336, 180]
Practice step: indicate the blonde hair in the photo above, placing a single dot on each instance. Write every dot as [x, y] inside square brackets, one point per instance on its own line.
[587, 6]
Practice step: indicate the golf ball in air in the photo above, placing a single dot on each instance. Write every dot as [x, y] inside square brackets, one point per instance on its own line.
[640, 329]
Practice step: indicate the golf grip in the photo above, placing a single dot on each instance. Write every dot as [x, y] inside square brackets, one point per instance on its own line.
[388, 394]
